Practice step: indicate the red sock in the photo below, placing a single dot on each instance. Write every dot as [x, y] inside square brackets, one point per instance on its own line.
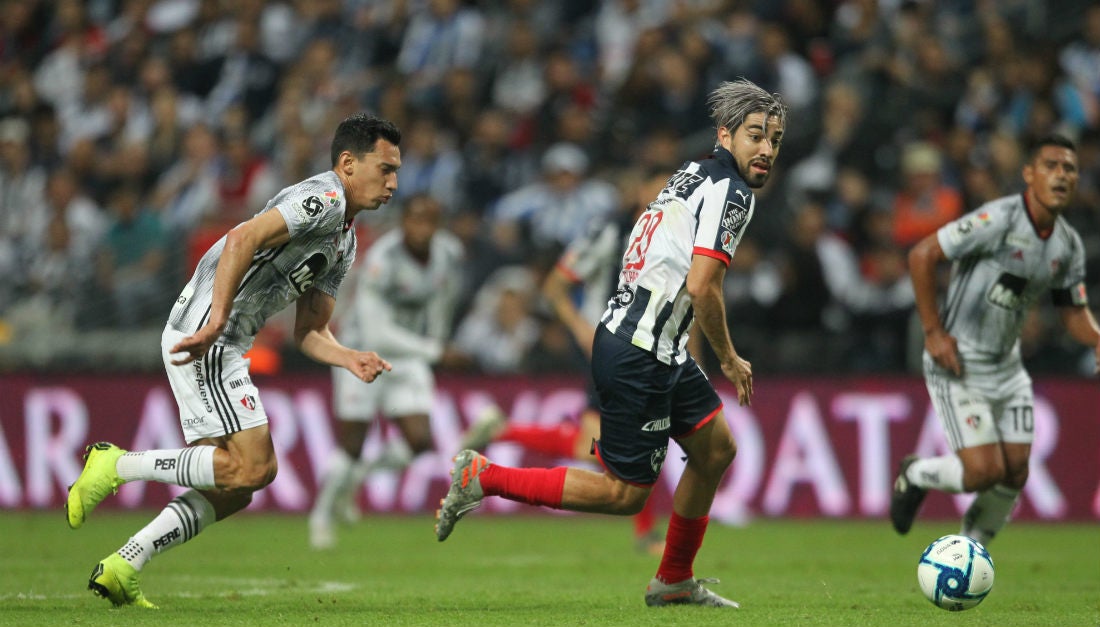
[645, 519]
[558, 441]
[534, 486]
[685, 536]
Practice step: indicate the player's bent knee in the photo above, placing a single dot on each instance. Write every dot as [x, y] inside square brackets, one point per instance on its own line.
[981, 479]
[627, 500]
[1016, 478]
[253, 477]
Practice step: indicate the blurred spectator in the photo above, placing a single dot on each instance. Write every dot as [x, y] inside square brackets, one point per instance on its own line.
[557, 209]
[491, 166]
[187, 193]
[22, 184]
[140, 94]
[924, 203]
[447, 35]
[518, 79]
[430, 164]
[1080, 60]
[618, 25]
[131, 263]
[500, 329]
[247, 180]
[247, 75]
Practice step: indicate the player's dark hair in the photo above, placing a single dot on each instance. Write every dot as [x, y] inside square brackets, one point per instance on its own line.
[1053, 139]
[359, 133]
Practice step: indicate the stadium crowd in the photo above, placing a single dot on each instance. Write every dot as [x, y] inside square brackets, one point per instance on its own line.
[134, 132]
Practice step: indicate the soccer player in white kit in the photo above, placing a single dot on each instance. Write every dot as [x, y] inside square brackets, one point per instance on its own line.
[649, 387]
[403, 306]
[297, 249]
[1006, 255]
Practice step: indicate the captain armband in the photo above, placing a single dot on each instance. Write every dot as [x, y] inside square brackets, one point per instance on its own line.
[1074, 296]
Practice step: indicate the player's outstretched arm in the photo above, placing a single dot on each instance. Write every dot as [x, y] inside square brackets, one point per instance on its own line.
[704, 284]
[315, 339]
[923, 260]
[1082, 326]
[265, 230]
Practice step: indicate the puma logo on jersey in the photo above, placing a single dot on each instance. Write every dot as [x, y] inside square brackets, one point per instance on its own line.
[744, 195]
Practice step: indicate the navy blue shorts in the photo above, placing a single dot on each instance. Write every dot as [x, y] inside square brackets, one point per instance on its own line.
[642, 403]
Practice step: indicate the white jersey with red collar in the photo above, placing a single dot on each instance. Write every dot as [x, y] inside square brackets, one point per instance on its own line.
[704, 209]
[1002, 265]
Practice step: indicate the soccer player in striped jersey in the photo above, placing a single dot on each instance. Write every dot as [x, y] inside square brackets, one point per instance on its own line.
[649, 387]
[1006, 255]
[297, 249]
[590, 262]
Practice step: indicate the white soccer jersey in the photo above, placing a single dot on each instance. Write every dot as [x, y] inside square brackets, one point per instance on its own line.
[703, 210]
[403, 308]
[1001, 267]
[318, 255]
[593, 261]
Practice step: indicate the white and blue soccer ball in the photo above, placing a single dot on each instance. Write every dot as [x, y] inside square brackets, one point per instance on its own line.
[955, 573]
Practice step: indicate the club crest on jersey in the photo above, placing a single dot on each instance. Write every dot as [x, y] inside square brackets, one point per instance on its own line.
[332, 197]
[249, 402]
[624, 296]
[657, 459]
[974, 421]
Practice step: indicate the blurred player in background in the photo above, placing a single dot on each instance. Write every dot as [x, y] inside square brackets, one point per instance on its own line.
[297, 249]
[403, 307]
[1006, 254]
[649, 387]
[592, 263]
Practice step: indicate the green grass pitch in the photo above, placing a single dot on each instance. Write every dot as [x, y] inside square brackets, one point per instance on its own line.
[533, 570]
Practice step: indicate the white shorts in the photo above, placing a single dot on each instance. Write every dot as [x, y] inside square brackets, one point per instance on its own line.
[992, 402]
[406, 390]
[215, 394]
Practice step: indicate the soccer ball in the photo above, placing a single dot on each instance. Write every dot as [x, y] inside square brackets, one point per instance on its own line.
[955, 573]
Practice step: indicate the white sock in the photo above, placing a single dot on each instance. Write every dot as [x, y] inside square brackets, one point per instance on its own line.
[396, 456]
[183, 518]
[989, 513]
[937, 473]
[191, 467]
[338, 477]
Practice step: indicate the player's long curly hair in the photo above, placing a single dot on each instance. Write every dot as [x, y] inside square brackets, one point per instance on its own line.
[732, 101]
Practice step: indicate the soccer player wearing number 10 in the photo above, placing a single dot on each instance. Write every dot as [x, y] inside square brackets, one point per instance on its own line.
[649, 388]
[1007, 254]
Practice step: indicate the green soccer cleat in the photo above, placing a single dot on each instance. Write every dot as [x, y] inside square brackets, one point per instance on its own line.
[116, 580]
[98, 480]
[686, 592]
[465, 493]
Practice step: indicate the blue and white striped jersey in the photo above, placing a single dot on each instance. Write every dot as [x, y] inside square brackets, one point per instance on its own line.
[1001, 268]
[703, 210]
[318, 255]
